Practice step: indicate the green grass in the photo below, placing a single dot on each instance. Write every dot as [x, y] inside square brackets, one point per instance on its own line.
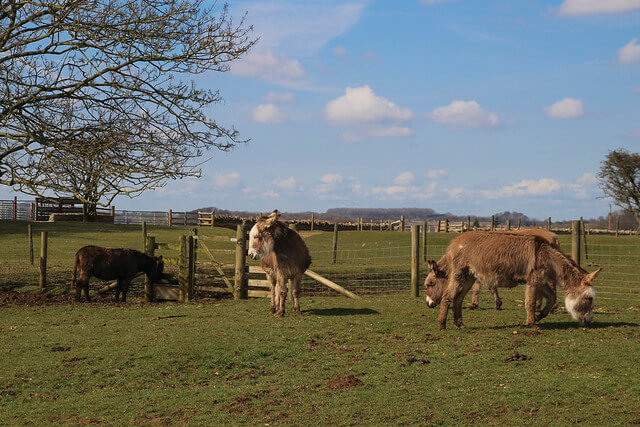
[233, 362]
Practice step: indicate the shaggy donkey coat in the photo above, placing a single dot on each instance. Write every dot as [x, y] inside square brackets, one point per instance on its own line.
[547, 235]
[283, 256]
[505, 260]
[109, 264]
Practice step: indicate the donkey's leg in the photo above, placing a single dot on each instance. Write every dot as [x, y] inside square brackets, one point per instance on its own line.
[295, 294]
[550, 296]
[80, 283]
[86, 291]
[118, 289]
[475, 297]
[281, 291]
[272, 288]
[465, 284]
[125, 288]
[530, 303]
[452, 290]
[497, 301]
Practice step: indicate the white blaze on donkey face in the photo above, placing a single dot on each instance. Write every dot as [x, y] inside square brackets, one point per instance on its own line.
[260, 244]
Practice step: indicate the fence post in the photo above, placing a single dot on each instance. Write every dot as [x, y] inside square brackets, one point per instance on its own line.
[549, 224]
[584, 237]
[191, 264]
[519, 221]
[183, 270]
[150, 249]
[389, 224]
[575, 241]
[424, 240]
[446, 225]
[313, 220]
[617, 225]
[113, 212]
[335, 243]
[170, 218]
[493, 222]
[30, 233]
[43, 260]
[359, 223]
[240, 285]
[144, 236]
[402, 223]
[415, 260]
[15, 207]
[508, 224]
[468, 223]
[194, 233]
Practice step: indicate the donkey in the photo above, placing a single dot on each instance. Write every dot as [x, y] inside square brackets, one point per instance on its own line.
[547, 235]
[505, 260]
[283, 256]
[109, 264]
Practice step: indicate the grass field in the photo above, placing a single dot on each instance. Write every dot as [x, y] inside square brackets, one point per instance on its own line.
[378, 360]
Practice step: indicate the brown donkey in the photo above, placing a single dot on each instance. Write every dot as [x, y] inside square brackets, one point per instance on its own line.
[547, 235]
[505, 260]
[283, 256]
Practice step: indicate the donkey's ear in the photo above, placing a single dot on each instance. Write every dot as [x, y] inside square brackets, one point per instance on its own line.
[159, 258]
[272, 218]
[591, 276]
[433, 265]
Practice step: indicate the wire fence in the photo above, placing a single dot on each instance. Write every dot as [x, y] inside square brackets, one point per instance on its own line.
[620, 262]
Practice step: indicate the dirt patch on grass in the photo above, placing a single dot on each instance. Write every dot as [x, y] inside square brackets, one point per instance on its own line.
[344, 383]
[517, 357]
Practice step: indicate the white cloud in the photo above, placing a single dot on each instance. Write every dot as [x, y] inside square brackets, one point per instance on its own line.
[437, 174]
[464, 113]
[587, 178]
[282, 98]
[300, 28]
[230, 180]
[595, 7]
[331, 178]
[405, 192]
[405, 178]
[629, 53]
[339, 51]
[360, 105]
[270, 66]
[376, 131]
[568, 108]
[526, 187]
[286, 184]
[269, 114]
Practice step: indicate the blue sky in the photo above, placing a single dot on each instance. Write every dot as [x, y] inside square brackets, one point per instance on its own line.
[462, 106]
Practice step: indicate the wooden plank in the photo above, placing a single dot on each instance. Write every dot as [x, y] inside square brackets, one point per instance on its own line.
[229, 239]
[164, 292]
[218, 267]
[331, 284]
[259, 283]
[258, 294]
[212, 289]
[255, 269]
[223, 251]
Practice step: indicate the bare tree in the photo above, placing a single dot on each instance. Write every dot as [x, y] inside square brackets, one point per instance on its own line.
[620, 179]
[99, 84]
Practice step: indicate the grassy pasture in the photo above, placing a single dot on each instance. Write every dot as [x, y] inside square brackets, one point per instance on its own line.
[379, 360]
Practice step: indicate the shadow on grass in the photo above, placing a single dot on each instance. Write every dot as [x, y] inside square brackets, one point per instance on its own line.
[337, 311]
[550, 326]
[592, 325]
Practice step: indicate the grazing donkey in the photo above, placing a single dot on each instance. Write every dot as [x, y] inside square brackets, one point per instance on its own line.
[505, 260]
[109, 264]
[547, 235]
[283, 256]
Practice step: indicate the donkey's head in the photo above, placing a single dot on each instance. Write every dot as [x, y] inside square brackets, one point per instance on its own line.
[155, 272]
[435, 283]
[262, 235]
[579, 298]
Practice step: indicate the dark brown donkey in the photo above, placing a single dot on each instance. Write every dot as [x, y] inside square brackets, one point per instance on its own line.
[504, 260]
[283, 256]
[109, 264]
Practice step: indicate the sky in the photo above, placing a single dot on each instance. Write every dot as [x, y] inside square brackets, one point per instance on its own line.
[470, 107]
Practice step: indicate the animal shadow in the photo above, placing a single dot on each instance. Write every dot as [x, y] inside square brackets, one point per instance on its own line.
[339, 311]
[592, 325]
